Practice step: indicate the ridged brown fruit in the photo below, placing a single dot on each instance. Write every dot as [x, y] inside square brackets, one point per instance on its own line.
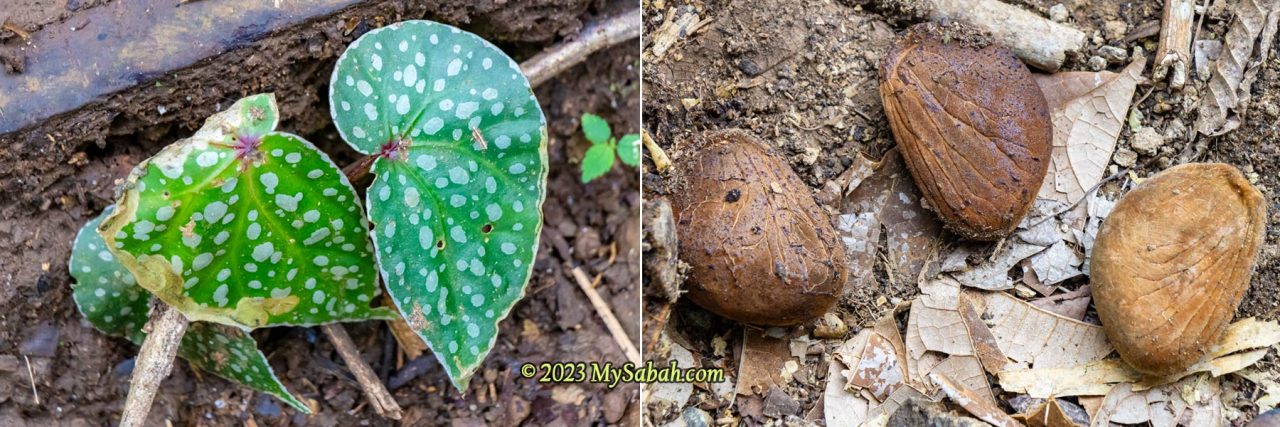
[974, 129]
[1172, 262]
[761, 250]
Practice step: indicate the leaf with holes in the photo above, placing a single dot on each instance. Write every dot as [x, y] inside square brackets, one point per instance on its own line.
[461, 175]
[109, 297]
[246, 227]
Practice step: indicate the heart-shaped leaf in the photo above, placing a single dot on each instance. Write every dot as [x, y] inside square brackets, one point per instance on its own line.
[246, 227]
[461, 176]
[109, 297]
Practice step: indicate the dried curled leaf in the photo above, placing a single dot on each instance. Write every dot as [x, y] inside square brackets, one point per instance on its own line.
[1173, 261]
[973, 126]
[762, 251]
[1228, 89]
[109, 297]
[247, 227]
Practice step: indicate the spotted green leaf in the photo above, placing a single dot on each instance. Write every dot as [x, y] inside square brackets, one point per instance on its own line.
[109, 297]
[461, 176]
[595, 128]
[597, 161]
[246, 227]
[629, 149]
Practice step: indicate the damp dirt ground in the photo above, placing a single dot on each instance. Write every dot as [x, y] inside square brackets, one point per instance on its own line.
[81, 376]
[804, 78]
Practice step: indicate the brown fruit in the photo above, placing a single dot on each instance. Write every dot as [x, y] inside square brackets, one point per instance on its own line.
[761, 250]
[1172, 262]
[973, 126]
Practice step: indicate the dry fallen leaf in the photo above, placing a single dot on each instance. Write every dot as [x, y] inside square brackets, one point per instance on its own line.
[1236, 67]
[888, 201]
[763, 362]
[972, 402]
[1033, 337]
[1193, 401]
[993, 274]
[1088, 111]
[676, 394]
[1243, 344]
[1072, 305]
[1046, 414]
[842, 408]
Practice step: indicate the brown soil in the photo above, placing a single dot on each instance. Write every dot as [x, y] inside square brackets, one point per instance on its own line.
[50, 192]
[804, 77]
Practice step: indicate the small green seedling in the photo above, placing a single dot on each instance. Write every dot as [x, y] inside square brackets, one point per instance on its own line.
[461, 164]
[599, 158]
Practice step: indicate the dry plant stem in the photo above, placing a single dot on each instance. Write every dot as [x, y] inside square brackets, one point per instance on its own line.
[155, 361]
[1173, 56]
[383, 403]
[1041, 43]
[595, 36]
[660, 159]
[544, 66]
[606, 314]
[656, 323]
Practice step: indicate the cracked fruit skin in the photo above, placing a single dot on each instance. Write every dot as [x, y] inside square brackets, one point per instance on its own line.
[762, 250]
[974, 129]
[1172, 262]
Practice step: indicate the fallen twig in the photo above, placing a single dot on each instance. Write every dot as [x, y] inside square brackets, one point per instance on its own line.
[606, 314]
[544, 66]
[32, 376]
[595, 36]
[1173, 56]
[154, 362]
[660, 159]
[383, 403]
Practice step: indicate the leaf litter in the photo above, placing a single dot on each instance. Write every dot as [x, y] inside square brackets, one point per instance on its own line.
[963, 333]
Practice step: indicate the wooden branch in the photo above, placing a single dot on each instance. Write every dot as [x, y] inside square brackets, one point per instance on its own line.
[544, 66]
[1173, 56]
[606, 314]
[596, 36]
[1041, 43]
[383, 403]
[154, 362]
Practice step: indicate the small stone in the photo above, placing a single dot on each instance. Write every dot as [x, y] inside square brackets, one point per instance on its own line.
[692, 417]
[517, 409]
[41, 342]
[1147, 141]
[1175, 129]
[916, 412]
[1125, 157]
[1113, 55]
[615, 405]
[1096, 63]
[1058, 13]
[1115, 30]
[749, 67]
[830, 326]
[779, 404]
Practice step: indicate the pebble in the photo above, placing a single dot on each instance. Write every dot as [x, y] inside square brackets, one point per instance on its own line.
[749, 67]
[830, 326]
[1096, 63]
[41, 342]
[1125, 157]
[1113, 55]
[1058, 13]
[779, 404]
[1147, 141]
[1115, 30]
[692, 417]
